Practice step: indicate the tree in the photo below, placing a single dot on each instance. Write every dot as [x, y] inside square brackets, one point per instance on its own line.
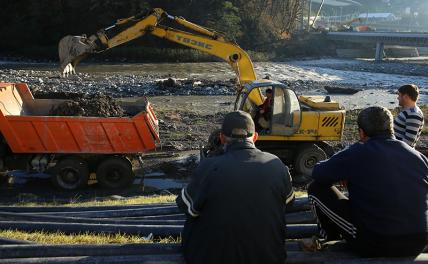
[227, 20]
[285, 16]
[267, 21]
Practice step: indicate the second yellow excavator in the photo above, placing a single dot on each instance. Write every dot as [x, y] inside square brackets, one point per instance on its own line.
[297, 128]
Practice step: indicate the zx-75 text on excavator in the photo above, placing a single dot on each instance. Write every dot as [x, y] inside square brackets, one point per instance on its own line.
[297, 128]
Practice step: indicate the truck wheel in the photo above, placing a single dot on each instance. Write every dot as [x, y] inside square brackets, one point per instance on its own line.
[115, 172]
[70, 173]
[306, 159]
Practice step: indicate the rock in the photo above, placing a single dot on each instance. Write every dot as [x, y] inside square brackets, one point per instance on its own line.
[341, 90]
[173, 146]
[116, 197]
[170, 82]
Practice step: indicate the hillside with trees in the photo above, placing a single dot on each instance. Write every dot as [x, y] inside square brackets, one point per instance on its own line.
[33, 28]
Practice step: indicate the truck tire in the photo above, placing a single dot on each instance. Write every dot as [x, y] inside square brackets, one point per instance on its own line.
[70, 173]
[115, 172]
[307, 157]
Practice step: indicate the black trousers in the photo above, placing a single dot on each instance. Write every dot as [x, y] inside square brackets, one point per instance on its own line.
[335, 223]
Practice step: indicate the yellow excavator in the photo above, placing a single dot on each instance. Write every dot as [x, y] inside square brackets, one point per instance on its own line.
[297, 127]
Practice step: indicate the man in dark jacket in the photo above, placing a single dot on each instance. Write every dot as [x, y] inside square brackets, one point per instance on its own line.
[387, 180]
[235, 202]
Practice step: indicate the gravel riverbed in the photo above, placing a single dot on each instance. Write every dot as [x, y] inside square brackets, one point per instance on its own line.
[190, 99]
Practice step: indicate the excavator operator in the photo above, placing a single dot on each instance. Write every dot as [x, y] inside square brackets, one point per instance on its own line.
[263, 114]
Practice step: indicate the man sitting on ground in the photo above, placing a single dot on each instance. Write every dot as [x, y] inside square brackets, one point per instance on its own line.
[235, 202]
[387, 209]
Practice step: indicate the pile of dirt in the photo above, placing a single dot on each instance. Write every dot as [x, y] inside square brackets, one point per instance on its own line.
[57, 95]
[173, 86]
[94, 105]
[185, 130]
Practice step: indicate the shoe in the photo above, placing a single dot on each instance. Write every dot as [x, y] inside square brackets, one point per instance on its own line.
[312, 244]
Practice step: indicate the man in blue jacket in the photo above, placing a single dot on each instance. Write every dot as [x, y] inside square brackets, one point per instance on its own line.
[387, 180]
[235, 202]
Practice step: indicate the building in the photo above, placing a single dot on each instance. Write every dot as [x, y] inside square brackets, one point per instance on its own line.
[378, 17]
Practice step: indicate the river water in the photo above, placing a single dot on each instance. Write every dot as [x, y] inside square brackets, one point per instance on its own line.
[379, 88]
[311, 70]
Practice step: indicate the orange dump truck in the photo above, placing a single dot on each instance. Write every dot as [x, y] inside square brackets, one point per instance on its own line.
[69, 148]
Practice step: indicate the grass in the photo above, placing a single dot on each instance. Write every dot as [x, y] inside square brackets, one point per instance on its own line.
[81, 238]
[131, 201]
[300, 194]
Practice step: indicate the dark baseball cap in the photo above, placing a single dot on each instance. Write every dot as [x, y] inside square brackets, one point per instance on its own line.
[238, 124]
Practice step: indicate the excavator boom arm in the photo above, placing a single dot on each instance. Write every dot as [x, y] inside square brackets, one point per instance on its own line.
[129, 29]
[74, 48]
[237, 58]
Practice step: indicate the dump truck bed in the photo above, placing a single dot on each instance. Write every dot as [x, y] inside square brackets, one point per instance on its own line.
[27, 128]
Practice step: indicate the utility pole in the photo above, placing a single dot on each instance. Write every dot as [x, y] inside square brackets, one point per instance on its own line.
[309, 14]
[302, 16]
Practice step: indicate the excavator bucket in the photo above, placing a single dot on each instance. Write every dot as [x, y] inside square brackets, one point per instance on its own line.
[73, 49]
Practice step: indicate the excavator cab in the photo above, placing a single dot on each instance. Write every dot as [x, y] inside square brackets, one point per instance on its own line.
[284, 115]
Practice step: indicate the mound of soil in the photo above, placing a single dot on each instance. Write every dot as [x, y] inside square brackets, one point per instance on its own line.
[94, 105]
[57, 95]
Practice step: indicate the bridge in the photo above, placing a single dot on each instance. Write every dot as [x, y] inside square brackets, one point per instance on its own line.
[381, 39]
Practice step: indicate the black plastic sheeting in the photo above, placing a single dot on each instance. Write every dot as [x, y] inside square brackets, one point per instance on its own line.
[299, 204]
[293, 257]
[304, 217]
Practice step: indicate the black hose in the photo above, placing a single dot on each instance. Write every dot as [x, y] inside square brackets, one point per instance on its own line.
[305, 217]
[123, 259]
[10, 241]
[291, 218]
[301, 231]
[157, 217]
[27, 251]
[300, 204]
[293, 257]
[117, 213]
[60, 219]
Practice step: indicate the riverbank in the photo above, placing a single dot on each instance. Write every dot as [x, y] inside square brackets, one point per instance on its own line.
[178, 90]
[190, 99]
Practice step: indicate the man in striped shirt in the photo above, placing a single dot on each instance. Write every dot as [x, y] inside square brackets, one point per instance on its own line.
[409, 122]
